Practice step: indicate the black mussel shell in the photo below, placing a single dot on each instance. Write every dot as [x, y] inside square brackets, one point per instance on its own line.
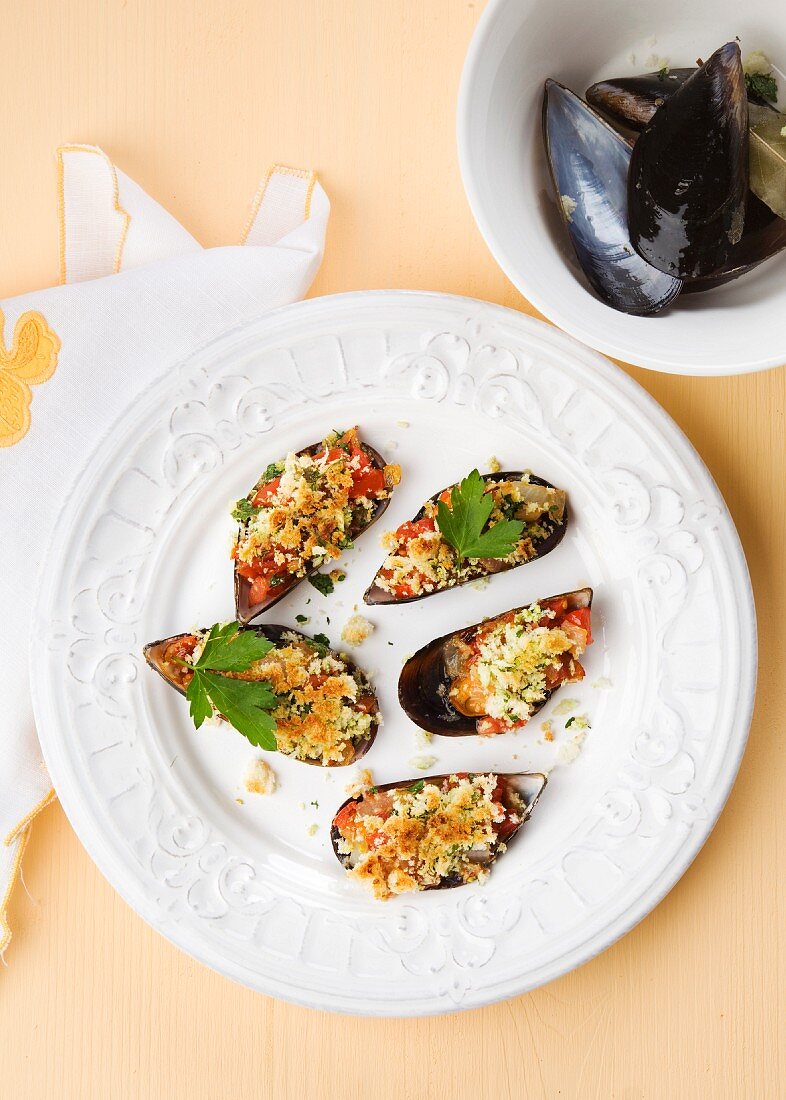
[589, 162]
[528, 786]
[763, 236]
[688, 178]
[376, 595]
[153, 653]
[424, 684]
[633, 100]
[245, 612]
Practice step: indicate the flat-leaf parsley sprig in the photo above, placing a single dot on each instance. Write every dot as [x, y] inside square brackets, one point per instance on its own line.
[463, 522]
[246, 704]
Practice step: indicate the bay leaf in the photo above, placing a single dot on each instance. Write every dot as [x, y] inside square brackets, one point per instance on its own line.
[768, 157]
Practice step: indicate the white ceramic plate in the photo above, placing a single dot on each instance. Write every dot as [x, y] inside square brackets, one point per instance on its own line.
[518, 43]
[142, 552]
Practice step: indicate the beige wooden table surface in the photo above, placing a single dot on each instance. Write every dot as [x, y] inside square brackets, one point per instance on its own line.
[193, 98]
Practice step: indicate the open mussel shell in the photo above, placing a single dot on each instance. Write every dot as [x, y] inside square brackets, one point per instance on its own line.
[589, 162]
[688, 178]
[154, 654]
[245, 612]
[633, 100]
[528, 786]
[426, 678]
[374, 594]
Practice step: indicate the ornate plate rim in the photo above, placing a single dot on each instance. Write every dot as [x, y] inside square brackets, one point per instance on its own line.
[77, 809]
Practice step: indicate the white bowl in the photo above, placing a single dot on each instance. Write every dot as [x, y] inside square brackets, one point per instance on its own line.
[737, 328]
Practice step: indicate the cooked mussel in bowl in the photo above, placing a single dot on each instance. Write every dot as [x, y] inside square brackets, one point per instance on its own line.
[492, 677]
[279, 688]
[433, 833]
[697, 152]
[484, 525]
[302, 513]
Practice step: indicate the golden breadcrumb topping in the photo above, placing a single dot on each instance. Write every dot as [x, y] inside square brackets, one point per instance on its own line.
[313, 509]
[415, 837]
[515, 662]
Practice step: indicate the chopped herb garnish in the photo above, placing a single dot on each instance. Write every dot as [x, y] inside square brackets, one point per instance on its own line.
[322, 640]
[373, 790]
[273, 470]
[762, 85]
[246, 704]
[570, 722]
[315, 804]
[301, 618]
[323, 582]
[463, 524]
[663, 73]
[276, 581]
[244, 510]
[416, 788]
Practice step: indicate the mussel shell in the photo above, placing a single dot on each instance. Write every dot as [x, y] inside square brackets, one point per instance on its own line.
[688, 178]
[528, 785]
[589, 161]
[244, 612]
[763, 237]
[376, 595]
[424, 683]
[153, 654]
[633, 100]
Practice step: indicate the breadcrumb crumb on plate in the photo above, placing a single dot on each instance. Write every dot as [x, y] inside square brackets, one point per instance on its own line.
[356, 629]
[260, 777]
[361, 783]
[422, 762]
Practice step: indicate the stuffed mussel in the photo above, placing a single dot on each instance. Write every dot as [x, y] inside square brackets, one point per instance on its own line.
[482, 526]
[302, 513]
[492, 677]
[281, 689]
[432, 833]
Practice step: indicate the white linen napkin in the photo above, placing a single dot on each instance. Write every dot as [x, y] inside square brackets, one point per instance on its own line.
[138, 295]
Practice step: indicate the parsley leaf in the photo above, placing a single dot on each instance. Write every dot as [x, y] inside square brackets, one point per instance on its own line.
[273, 470]
[323, 583]
[230, 649]
[762, 85]
[463, 524]
[246, 704]
[200, 706]
[244, 510]
[322, 641]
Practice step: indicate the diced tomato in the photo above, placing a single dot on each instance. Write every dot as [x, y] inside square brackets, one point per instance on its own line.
[257, 593]
[412, 529]
[265, 492]
[581, 617]
[345, 816]
[488, 726]
[366, 483]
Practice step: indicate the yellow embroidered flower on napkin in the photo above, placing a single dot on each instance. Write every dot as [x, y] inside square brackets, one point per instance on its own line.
[31, 360]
